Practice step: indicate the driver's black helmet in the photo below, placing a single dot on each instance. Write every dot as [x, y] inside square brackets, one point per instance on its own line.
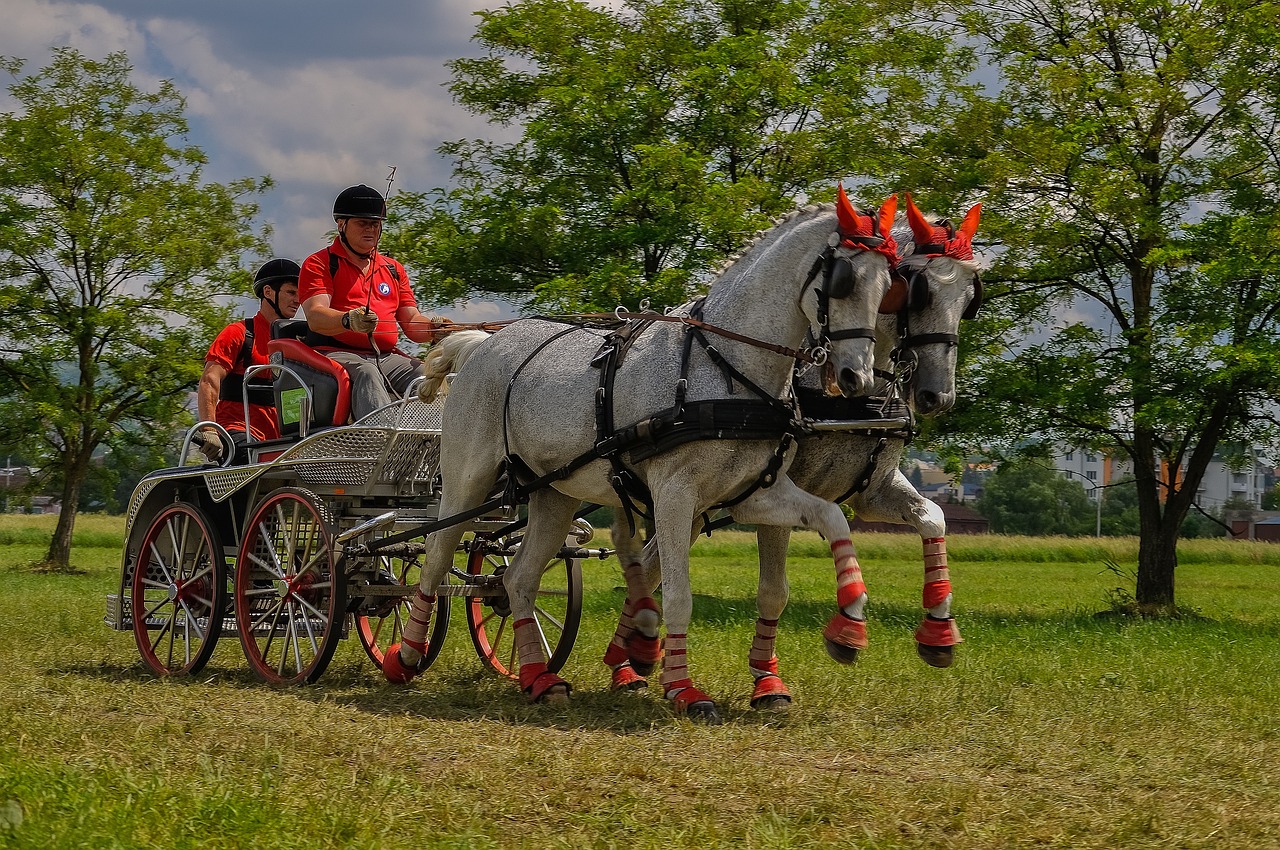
[359, 202]
[276, 273]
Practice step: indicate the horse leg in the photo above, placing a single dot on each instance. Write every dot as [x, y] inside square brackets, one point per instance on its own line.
[673, 532]
[400, 664]
[770, 692]
[898, 501]
[635, 647]
[550, 517]
[786, 505]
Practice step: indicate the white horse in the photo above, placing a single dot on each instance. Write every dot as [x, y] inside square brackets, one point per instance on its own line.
[531, 400]
[919, 342]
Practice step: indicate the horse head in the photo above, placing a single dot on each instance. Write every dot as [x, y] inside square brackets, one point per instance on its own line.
[942, 289]
[855, 279]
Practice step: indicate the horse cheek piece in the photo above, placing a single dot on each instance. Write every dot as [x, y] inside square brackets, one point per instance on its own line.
[679, 418]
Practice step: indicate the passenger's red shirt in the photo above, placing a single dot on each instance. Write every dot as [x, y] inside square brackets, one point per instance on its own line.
[264, 423]
[348, 288]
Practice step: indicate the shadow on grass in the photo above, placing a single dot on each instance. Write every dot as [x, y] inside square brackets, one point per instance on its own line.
[741, 611]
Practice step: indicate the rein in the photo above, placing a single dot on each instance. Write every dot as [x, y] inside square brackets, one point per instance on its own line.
[797, 354]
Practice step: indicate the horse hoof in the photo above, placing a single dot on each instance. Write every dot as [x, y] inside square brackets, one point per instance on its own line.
[840, 652]
[772, 702]
[703, 711]
[936, 656]
[554, 695]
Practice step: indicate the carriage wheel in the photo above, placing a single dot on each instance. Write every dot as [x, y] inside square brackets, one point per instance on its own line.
[288, 592]
[557, 611]
[379, 628]
[178, 591]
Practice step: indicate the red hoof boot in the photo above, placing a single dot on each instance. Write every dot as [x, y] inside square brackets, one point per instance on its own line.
[644, 653]
[843, 637]
[936, 640]
[541, 685]
[695, 705]
[770, 694]
[394, 668]
[626, 679]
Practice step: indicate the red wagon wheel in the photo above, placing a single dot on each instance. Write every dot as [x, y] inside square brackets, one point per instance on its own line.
[178, 591]
[557, 610]
[288, 592]
[379, 621]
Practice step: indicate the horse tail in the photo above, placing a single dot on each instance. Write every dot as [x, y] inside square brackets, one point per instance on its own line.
[447, 357]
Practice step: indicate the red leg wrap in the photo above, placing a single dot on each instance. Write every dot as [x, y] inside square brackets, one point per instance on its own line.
[624, 678]
[642, 651]
[395, 670]
[687, 697]
[615, 655]
[846, 632]
[937, 578]
[536, 680]
[935, 632]
[849, 584]
[769, 687]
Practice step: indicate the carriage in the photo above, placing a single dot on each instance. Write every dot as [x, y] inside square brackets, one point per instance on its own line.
[332, 526]
[317, 537]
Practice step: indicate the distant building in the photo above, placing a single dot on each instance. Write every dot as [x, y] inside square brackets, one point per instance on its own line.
[1221, 483]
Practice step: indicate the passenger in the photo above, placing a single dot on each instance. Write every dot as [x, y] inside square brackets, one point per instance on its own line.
[354, 297]
[238, 346]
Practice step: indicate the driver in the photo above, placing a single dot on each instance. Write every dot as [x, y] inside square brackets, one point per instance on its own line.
[354, 297]
[239, 346]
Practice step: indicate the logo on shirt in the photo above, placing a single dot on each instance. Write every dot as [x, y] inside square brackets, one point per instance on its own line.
[384, 289]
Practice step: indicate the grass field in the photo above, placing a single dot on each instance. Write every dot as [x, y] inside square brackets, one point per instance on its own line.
[1056, 727]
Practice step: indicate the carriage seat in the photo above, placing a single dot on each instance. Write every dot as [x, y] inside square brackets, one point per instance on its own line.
[327, 380]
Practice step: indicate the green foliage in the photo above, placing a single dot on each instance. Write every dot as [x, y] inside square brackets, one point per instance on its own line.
[656, 138]
[111, 245]
[1034, 500]
[1127, 162]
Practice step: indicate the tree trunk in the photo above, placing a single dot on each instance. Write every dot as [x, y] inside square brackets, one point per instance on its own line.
[1157, 563]
[59, 555]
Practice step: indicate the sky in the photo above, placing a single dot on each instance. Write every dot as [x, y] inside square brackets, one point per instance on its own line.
[318, 95]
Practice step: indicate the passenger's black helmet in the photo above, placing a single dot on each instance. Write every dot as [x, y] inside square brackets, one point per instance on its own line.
[360, 202]
[275, 272]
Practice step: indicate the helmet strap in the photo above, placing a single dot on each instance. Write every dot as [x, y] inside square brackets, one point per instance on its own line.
[274, 302]
[342, 235]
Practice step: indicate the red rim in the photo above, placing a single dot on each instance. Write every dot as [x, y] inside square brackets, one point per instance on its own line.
[178, 591]
[376, 632]
[288, 594]
[558, 612]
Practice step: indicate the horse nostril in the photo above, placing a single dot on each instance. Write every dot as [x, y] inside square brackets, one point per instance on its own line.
[926, 400]
[851, 383]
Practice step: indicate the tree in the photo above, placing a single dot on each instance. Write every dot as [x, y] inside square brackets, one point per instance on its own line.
[1029, 498]
[110, 247]
[655, 138]
[1130, 163]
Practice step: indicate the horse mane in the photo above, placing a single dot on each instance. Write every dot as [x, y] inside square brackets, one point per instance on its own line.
[758, 240]
[447, 356]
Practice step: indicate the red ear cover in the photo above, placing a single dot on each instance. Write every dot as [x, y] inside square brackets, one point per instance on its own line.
[847, 217]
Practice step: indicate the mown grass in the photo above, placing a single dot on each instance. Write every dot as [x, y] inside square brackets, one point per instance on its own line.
[1055, 728]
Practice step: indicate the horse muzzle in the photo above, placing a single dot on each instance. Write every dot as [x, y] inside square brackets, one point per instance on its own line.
[930, 403]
